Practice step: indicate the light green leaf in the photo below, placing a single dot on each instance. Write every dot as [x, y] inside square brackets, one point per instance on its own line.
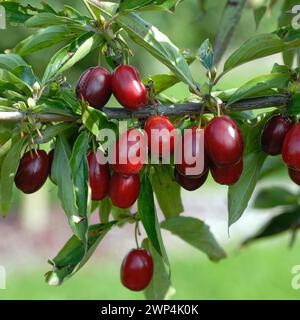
[93, 119]
[11, 81]
[52, 131]
[104, 210]
[46, 19]
[162, 82]
[206, 55]
[11, 61]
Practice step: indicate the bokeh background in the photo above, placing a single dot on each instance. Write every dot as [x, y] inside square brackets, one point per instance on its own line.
[36, 228]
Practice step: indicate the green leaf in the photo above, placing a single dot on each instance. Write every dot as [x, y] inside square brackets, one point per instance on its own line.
[160, 287]
[229, 22]
[260, 46]
[80, 174]
[167, 191]
[9, 169]
[71, 54]
[11, 61]
[162, 82]
[46, 19]
[196, 233]
[93, 119]
[13, 82]
[62, 175]
[73, 255]
[272, 165]
[26, 74]
[52, 131]
[293, 109]
[45, 38]
[259, 14]
[287, 221]
[147, 214]
[258, 84]
[141, 5]
[104, 210]
[206, 55]
[151, 39]
[274, 197]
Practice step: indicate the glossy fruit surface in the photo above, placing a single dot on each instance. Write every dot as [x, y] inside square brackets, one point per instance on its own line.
[124, 190]
[223, 141]
[98, 177]
[94, 86]
[192, 154]
[190, 183]
[294, 175]
[128, 88]
[227, 175]
[137, 269]
[33, 171]
[161, 134]
[291, 147]
[130, 152]
[274, 133]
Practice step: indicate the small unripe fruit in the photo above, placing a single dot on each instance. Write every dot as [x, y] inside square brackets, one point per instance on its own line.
[33, 171]
[190, 183]
[124, 190]
[137, 269]
[274, 133]
[227, 175]
[98, 177]
[94, 86]
[128, 88]
[294, 175]
[166, 140]
[223, 141]
[291, 147]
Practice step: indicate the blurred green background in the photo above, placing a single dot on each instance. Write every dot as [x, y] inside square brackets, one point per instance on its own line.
[36, 228]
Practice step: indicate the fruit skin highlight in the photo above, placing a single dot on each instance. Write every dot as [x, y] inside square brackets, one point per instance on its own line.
[137, 269]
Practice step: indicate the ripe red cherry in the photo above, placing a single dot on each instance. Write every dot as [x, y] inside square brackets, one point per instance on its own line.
[227, 175]
[98, 177]
[190, 183]
[130, 152]
[137, 269]
[33, 171]
[223, 141]
[295, 176]
[192, 150]
[128, 88]
[124, 190]
[94, 86]
[274, 133]
[291, 147]
[165, 141]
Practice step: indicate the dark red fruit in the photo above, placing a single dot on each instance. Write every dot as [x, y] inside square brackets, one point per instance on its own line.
[294, 175]
[165, 141]
[291, 147]
[33, 171]
[137, 269]
[98, 177]
[223, 141]
[190, 183]
[192, 151]
[128, 88]
[274, 133]
[124, 190]
[94, 86]
[130, 152]
[227, 175]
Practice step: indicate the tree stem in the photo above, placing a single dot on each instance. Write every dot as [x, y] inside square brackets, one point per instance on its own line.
[187, 109]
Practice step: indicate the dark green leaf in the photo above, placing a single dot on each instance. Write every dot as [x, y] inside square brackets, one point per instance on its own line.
[52, 131]
[272, 165]
[259, 14]
[9, 79]
[46, 19]
[25, 73]
[11, 61]
[293, 109]
[104, 210]
[167, 191]
[206, 55]
[196, 233]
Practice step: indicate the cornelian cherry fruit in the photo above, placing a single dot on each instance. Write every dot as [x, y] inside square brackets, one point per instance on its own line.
[190, 183]
[291, 147]
[227, 175]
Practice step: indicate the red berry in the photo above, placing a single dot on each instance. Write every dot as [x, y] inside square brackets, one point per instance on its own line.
[223, 141]
[291, 147]
[190, 183]
[128, 88]
[33, 171]
[192, 153]
[98, 177]
[165, 141]
[130, 152]
[274, 133]
[124, 190]
[94, 86]
[294, 175]
[137, 269]
[227, 175]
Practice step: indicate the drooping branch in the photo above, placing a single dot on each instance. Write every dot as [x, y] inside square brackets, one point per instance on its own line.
[188, 109]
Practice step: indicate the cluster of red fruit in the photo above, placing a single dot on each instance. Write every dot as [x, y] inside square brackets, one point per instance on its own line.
[281, 136]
